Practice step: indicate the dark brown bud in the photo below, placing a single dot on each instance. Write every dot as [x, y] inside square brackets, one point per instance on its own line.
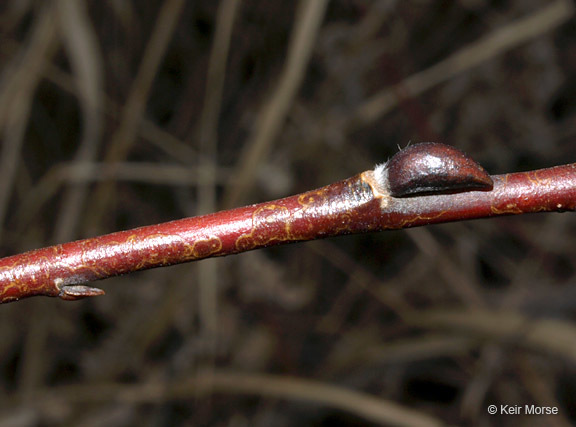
[432, 168]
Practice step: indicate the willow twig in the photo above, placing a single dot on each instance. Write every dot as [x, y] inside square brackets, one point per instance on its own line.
[360, 204]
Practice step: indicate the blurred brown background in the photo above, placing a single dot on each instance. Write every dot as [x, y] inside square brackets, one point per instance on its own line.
[116, 114]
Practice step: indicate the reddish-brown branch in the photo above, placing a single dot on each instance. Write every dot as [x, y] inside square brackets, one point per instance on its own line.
[356, 205]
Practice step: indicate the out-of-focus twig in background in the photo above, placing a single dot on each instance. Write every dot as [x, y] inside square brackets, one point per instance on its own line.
[124, 113]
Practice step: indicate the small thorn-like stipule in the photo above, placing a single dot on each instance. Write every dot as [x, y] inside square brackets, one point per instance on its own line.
[76, 292]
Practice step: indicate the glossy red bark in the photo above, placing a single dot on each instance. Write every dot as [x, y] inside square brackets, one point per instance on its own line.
[355, 205]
